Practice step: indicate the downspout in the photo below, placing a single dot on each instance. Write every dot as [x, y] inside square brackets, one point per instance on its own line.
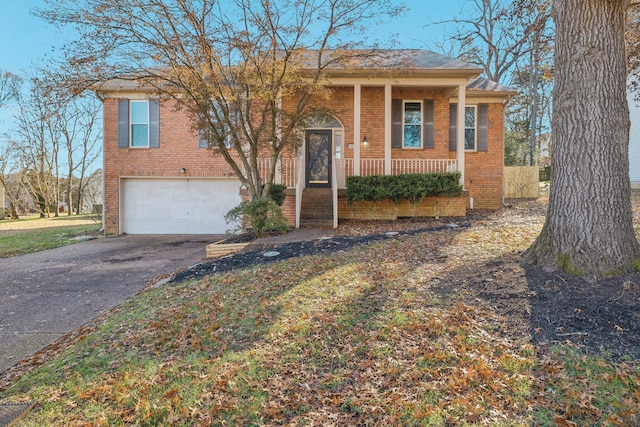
[357, 94]
[299, 183]
[103, 228]
[460, 153]
[334, 190]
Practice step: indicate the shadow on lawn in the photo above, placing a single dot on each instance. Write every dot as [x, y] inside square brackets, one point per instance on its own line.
[552, 307]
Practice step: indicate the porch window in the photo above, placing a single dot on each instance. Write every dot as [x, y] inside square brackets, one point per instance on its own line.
[412, 135]
[412, 124]
[470, 125]
[476, 127]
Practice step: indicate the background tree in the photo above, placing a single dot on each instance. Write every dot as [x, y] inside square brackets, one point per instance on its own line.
[229, 65]
[12, 179]
[512, 41]
[56, 143]
[588, 228]
[38, 139]
[528, 114]
[632, 37]
[9, 89]
[78, 121]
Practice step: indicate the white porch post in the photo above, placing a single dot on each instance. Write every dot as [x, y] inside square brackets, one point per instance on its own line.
[356, 129]
[461, 115]
[277, 179]
[387, 129]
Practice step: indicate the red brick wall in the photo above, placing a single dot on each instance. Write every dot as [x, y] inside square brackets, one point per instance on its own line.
[178, 149]
[484, 170]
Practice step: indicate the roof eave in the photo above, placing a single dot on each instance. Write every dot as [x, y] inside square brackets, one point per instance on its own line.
[489, 93]
[403, 73]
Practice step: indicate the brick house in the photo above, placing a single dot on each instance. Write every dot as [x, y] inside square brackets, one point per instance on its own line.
[433, 114]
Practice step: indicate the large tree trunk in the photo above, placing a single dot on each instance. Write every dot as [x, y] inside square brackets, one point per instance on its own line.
[588, 229]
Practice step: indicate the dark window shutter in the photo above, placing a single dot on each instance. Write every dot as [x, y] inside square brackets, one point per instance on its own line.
[428, 138]
[123, 123]
[396, 128]
[154, 123]
[483, 127]
[453, 127]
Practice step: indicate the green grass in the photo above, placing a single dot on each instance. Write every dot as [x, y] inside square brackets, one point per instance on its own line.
[20, 242]
[356, 338]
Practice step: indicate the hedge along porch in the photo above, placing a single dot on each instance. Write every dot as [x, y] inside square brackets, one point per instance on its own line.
[433, 115]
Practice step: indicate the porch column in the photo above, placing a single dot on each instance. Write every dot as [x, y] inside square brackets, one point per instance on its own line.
[278, 175]
[356, 129]
[387, 129]
[277, 179]
[462, 92]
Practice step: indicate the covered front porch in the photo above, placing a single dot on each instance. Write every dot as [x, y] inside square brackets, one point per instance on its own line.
[327, 190]
[378, 126]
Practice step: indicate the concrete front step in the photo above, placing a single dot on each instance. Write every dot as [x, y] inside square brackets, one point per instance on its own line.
[316, 223]
[317, 208]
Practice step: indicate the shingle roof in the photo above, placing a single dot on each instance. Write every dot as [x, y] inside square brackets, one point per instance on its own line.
[392, 62]
[428, 60]
[482, 84]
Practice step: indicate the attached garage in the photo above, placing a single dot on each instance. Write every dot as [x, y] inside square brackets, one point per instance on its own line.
[177, 205]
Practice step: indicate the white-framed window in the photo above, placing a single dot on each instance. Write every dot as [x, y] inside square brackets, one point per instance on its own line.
[139, 124]
[412, 124]
[470, 126]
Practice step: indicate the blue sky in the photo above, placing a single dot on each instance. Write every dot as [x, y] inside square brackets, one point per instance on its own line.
[26, 40]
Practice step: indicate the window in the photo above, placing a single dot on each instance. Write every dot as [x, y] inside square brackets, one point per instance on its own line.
[412, 124]
[412, 129]
[470, 128]
[476, 127]
[220, 124]
[139, 123]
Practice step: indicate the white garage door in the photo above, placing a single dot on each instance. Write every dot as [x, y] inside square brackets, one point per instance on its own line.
[177, 206]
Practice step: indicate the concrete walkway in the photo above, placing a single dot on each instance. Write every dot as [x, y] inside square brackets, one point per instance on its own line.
[296, 235]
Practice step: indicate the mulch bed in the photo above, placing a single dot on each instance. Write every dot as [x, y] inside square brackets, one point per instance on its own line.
[551, 307]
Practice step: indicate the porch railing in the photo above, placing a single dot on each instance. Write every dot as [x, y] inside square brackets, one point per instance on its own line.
[401, 166]
[398, 166]
[345, 167]
[288, 170]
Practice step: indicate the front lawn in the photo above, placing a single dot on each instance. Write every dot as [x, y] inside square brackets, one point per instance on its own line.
[437, 328]
[18, 237]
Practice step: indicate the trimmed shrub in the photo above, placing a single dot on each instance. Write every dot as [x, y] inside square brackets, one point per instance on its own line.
[263, 214]
[413, 187]
[277, 193]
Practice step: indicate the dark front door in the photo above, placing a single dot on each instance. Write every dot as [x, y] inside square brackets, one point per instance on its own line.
[318, 144]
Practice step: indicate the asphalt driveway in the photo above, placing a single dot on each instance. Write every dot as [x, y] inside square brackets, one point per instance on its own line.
[47, 294]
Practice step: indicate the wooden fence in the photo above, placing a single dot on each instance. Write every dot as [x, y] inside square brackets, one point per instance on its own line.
[521, 182]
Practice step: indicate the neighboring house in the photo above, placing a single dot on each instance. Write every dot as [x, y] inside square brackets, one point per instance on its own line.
[433, 114]
[92, 194]
[634, 141]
